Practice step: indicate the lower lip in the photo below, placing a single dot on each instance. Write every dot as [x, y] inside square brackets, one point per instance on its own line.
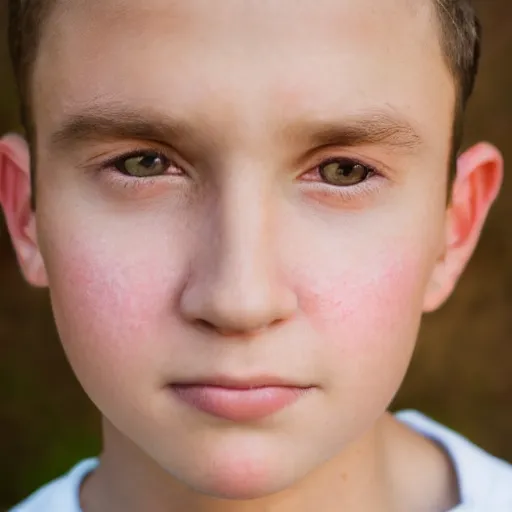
[239, 404]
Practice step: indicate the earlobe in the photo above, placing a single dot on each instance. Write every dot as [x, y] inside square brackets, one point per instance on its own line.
[15, 193]
[476, 186]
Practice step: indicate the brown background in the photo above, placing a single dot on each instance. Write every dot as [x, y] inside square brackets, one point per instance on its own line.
[461, 373]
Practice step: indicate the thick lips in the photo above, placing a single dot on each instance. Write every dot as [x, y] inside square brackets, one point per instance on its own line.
[239, 403]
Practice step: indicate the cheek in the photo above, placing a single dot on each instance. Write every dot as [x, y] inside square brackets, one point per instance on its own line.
[112, 303]
[367, 312]
[373, 292]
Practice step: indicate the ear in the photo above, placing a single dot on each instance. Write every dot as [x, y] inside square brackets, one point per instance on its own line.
[477, 183]
[15, 193]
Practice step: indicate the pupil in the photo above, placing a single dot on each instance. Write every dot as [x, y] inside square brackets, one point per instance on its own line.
[346, 171]
[148, 160]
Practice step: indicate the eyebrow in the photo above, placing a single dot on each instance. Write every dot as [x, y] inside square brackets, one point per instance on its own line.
[367, 128]
[111, 121]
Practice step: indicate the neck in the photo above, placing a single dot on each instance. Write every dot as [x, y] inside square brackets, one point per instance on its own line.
[357, 479]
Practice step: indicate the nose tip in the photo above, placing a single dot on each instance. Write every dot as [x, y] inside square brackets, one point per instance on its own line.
[238, 305]
[237, 283]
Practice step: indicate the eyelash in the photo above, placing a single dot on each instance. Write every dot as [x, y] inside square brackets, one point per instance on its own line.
[363, 188]
[127, 181]
[350, 191]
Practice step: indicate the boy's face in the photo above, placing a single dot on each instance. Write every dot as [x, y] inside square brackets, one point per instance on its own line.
[247, 255]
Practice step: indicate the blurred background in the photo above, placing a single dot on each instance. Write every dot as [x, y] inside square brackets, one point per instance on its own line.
[461, 373]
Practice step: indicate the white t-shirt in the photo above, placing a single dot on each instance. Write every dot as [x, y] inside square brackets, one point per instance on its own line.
[485, 482]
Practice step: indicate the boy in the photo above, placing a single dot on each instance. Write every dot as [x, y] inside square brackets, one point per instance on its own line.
[242, 209]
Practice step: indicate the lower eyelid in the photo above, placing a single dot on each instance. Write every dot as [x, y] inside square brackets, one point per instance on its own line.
[366, 187]
[115, 177]
[172, 171]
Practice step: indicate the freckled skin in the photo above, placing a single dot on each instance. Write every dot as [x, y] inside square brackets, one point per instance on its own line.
[236, 265]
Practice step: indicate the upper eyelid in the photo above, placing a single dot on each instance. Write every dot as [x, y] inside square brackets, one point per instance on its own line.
[348, 192]
[132, 154]
[348, 160]
[373, 170]
[335, 153]
[173, 160]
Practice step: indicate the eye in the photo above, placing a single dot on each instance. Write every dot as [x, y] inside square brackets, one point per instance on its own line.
[143, 165]
[344, 173]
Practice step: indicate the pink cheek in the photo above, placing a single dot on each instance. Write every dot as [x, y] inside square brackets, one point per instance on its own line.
[376, 297]
[365, 323]
[108, 301]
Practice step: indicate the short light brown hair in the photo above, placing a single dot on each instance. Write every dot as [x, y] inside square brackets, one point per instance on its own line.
[459, 32]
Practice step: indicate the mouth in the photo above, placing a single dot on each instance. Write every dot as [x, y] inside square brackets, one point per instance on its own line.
[240, 400]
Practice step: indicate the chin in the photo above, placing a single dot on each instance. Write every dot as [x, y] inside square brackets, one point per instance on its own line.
[241, 483]
[245, 472]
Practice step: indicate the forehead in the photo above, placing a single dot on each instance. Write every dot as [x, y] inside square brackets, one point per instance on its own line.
[242, 61]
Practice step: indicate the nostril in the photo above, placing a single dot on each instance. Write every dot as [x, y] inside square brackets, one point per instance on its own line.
[229, 327]
[204, 324]
[277, 322]
[227, 332]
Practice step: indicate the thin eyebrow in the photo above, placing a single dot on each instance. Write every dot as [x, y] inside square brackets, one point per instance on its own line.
[111, 122]
[362, 129]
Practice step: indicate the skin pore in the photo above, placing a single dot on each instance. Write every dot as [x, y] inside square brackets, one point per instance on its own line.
[247, 253]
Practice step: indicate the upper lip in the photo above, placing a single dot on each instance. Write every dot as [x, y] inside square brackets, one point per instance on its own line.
[240, 383]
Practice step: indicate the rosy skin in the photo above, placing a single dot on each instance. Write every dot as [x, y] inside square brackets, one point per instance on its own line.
[240, 260]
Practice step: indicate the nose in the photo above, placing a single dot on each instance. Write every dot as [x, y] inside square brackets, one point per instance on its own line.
[236, 284]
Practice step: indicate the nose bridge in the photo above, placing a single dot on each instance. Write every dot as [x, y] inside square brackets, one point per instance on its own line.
[236, 284]
[245, 227]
